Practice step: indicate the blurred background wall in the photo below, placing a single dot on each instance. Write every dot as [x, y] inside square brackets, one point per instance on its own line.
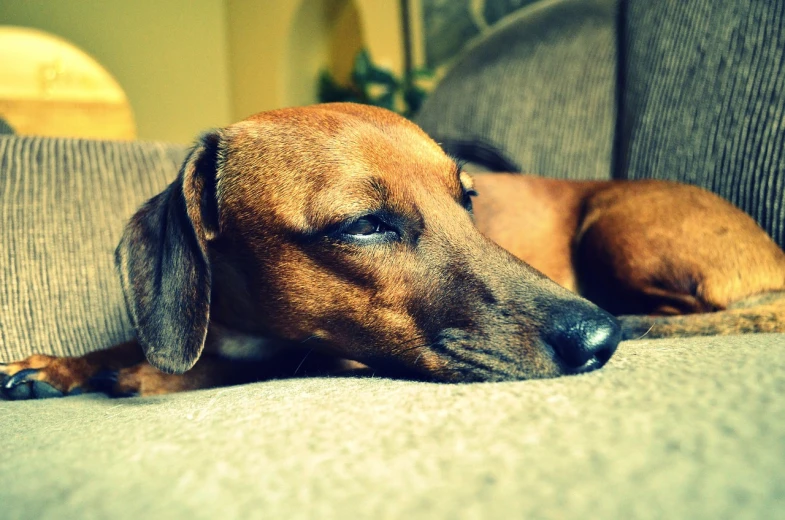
[188, 65]
[278, 48]
[171, 57]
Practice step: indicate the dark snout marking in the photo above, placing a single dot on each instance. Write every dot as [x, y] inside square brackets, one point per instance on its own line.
[583, 336]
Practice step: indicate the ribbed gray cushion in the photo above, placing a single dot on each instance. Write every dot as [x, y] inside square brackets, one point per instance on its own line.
[704, 100]
[701, 88]
[63, 204]
[540, 89]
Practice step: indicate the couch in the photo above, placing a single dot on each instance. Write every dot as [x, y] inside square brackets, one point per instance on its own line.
[675, 428]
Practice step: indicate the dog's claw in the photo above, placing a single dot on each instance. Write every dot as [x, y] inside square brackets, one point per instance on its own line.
[22, 385]
[18, 386]
[19, 378]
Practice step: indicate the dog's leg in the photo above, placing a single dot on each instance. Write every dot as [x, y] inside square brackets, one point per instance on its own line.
[49, 376]
[118, 371]
[661, 250]
[144, 379]
[214, 371]
[122, 371]
[763, 313]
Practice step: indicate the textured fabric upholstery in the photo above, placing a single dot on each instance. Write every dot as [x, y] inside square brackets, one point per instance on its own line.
[690, 428]
[539, 89]
[669, 429]
[703, 100]
[701, 96]
[63, 204]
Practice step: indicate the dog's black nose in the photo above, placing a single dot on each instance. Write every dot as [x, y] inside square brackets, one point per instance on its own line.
[583, 337]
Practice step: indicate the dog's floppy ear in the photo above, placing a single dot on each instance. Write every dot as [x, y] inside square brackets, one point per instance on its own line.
[163, 263]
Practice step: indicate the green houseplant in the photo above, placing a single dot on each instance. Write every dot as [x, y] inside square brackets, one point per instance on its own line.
[375, 85]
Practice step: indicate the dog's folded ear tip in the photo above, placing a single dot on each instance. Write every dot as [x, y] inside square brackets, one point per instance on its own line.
[171, 364]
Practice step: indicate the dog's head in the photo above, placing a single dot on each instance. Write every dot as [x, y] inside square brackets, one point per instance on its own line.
[347, 226]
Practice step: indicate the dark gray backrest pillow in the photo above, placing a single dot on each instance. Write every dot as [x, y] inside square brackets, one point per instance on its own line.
[540, 89]
[704, 99]
[701, 96]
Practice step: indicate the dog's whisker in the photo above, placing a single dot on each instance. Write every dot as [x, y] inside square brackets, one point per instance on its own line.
[302, 361]
[418, 338]
[415, 347]
[423, 347]
[645, 333]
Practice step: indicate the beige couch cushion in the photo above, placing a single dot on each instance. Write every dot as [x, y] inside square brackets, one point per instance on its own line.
[63, 205]
[668, 429]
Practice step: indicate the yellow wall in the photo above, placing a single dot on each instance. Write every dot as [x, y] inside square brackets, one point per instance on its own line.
[187, 65]
[170, 56]
[278, 47]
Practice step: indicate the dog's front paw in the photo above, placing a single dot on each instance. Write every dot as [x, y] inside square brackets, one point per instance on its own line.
[41, 376]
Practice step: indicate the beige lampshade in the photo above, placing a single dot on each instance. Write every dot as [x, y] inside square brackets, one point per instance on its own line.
[50, 87]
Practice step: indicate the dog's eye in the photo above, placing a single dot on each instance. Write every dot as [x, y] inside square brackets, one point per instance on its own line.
[467, 199]
[365, 226]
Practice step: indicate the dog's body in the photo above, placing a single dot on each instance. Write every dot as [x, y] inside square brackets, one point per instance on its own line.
[300, 239]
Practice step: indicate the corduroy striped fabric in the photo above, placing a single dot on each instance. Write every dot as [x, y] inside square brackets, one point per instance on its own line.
[703, 100]
[63, 205]
[701, 96]
[539, 89]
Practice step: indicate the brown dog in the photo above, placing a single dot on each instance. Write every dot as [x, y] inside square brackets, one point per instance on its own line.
[304, 237]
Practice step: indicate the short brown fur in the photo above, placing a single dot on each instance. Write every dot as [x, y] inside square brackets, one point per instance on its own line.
[246, 251]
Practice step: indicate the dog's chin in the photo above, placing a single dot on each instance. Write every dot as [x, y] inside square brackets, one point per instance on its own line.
[482, 375]
[464, 360]
[468, 372]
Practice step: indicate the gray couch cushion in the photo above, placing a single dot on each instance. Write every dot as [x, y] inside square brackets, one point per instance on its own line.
[668, 429]
[701, 93]
[704, 100]
[539, 89]
[63, 204]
